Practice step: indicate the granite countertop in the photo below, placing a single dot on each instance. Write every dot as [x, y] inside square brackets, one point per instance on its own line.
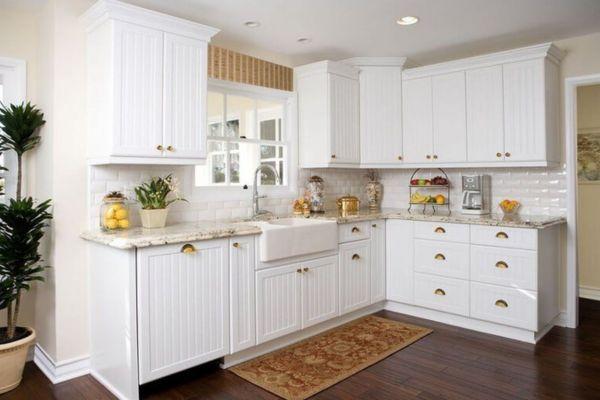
[206, 230]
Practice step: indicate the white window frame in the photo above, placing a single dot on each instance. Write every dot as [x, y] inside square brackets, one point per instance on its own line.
[237, 192]
[13, 73]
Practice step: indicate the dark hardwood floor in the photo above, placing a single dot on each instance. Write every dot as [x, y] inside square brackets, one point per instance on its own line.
[451, 363]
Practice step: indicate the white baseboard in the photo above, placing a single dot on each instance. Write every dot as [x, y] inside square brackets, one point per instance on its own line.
[589, 292]
[60, 371]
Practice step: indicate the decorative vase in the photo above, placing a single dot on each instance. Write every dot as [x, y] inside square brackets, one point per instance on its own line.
[154, 218]
[12, 360]
[315, 192]
[373, 191]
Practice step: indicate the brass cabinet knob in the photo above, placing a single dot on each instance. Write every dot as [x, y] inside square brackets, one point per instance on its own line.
[305, 269]
[501, 235]
[435, 156]
[355, 257]
[400, 158]
[498, 155]
[299, 270]
[501, 303]
[159, 147]
[439, 292]
[507, 154]
[428, 157]
[188, 249]
[440, 257]
[501, 265]
[236, 245]
[170, 148]
[333, 156]
[374, 225]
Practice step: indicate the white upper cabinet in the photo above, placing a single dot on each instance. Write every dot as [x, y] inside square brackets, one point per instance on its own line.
[417, 120]
[497, 109]
[147, 76]
[485, 114]
[449, 119]
[328, 115]
[380, 81]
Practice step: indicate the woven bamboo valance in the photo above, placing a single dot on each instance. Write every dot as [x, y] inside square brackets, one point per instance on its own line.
[236, 67]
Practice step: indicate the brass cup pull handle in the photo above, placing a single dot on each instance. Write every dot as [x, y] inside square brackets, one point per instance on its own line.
[439, 229]
[159, 147]
[440, 257]
[305, 269]
[501, 265]
[439, 292]
[501, 235]
[170, 148]
[355, 229]
[355, 257]
[236, 245]
[501, 303]
[299, 270]
[188, 249]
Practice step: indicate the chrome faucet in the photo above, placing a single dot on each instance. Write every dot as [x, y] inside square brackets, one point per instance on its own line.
[256, 211]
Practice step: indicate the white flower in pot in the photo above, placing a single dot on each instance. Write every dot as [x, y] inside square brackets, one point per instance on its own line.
[152, 196]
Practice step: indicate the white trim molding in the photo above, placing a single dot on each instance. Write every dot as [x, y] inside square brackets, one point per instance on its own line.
[589, 292]
[60, 371]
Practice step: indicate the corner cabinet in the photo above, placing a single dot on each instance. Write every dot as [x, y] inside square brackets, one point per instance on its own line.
[500, 109]
[147, 76]
[328, 115]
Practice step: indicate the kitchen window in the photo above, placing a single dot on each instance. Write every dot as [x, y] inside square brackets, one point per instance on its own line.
[244, 130]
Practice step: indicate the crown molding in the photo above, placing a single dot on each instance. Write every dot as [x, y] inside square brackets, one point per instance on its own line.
[332, 67]
[540, 51]
[104, 10]
[375, 61]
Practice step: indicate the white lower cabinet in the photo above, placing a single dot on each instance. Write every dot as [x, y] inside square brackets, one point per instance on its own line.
[241, 272]
[399, 252]
[183, 306]
[355, 286]
[319, 290]
[440, 293]
[504, 305]
[278, 302]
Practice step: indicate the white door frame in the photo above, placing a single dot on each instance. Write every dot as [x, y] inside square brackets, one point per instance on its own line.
[13, 73]
[572, 283]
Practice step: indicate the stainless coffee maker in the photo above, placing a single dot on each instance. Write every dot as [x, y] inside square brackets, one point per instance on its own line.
[476, 194]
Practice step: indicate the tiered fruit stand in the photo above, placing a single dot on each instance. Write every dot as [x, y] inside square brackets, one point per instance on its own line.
[434, 205]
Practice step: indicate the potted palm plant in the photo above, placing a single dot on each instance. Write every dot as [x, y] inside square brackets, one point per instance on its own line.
[154, 198]
[22, 224]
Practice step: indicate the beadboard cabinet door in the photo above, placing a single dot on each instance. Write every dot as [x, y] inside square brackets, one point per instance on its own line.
[242, 284]
[399, 261]
[377, 260]
[485, 114]
[417, 120]
[343, 120]
[524, 111]
[319, 290]
[449, 118]
[183, 306]
[380, 115]
[185, 97]
[138, 86]
[355, 279]
[278, 302]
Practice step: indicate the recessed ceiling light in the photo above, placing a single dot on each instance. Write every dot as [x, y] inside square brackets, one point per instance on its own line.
[408, 20]
[304, 40]
[252, 24]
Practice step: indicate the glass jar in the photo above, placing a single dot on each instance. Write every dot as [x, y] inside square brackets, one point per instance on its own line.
[114, 212]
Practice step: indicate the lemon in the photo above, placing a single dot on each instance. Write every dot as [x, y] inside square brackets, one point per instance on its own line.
[124, 224]
[109, 214]
[111, 223]
[121, 214]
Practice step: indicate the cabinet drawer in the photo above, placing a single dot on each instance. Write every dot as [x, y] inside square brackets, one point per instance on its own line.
[439, 231]
[444, 294]
[355, 231]
[442, 258]
[506, 267]
[504, 305]
[517, 238]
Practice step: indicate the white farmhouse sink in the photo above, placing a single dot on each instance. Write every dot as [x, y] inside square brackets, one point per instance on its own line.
[291, 237]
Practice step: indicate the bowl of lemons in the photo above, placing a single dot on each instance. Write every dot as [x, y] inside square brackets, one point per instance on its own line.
[114, 212]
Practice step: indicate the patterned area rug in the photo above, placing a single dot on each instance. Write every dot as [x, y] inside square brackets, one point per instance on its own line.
[303, 369]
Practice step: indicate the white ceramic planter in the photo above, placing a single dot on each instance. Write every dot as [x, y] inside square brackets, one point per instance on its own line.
[12, 360]
[154, 218]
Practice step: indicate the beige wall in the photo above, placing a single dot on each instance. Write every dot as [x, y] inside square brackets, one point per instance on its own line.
[588, 117]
